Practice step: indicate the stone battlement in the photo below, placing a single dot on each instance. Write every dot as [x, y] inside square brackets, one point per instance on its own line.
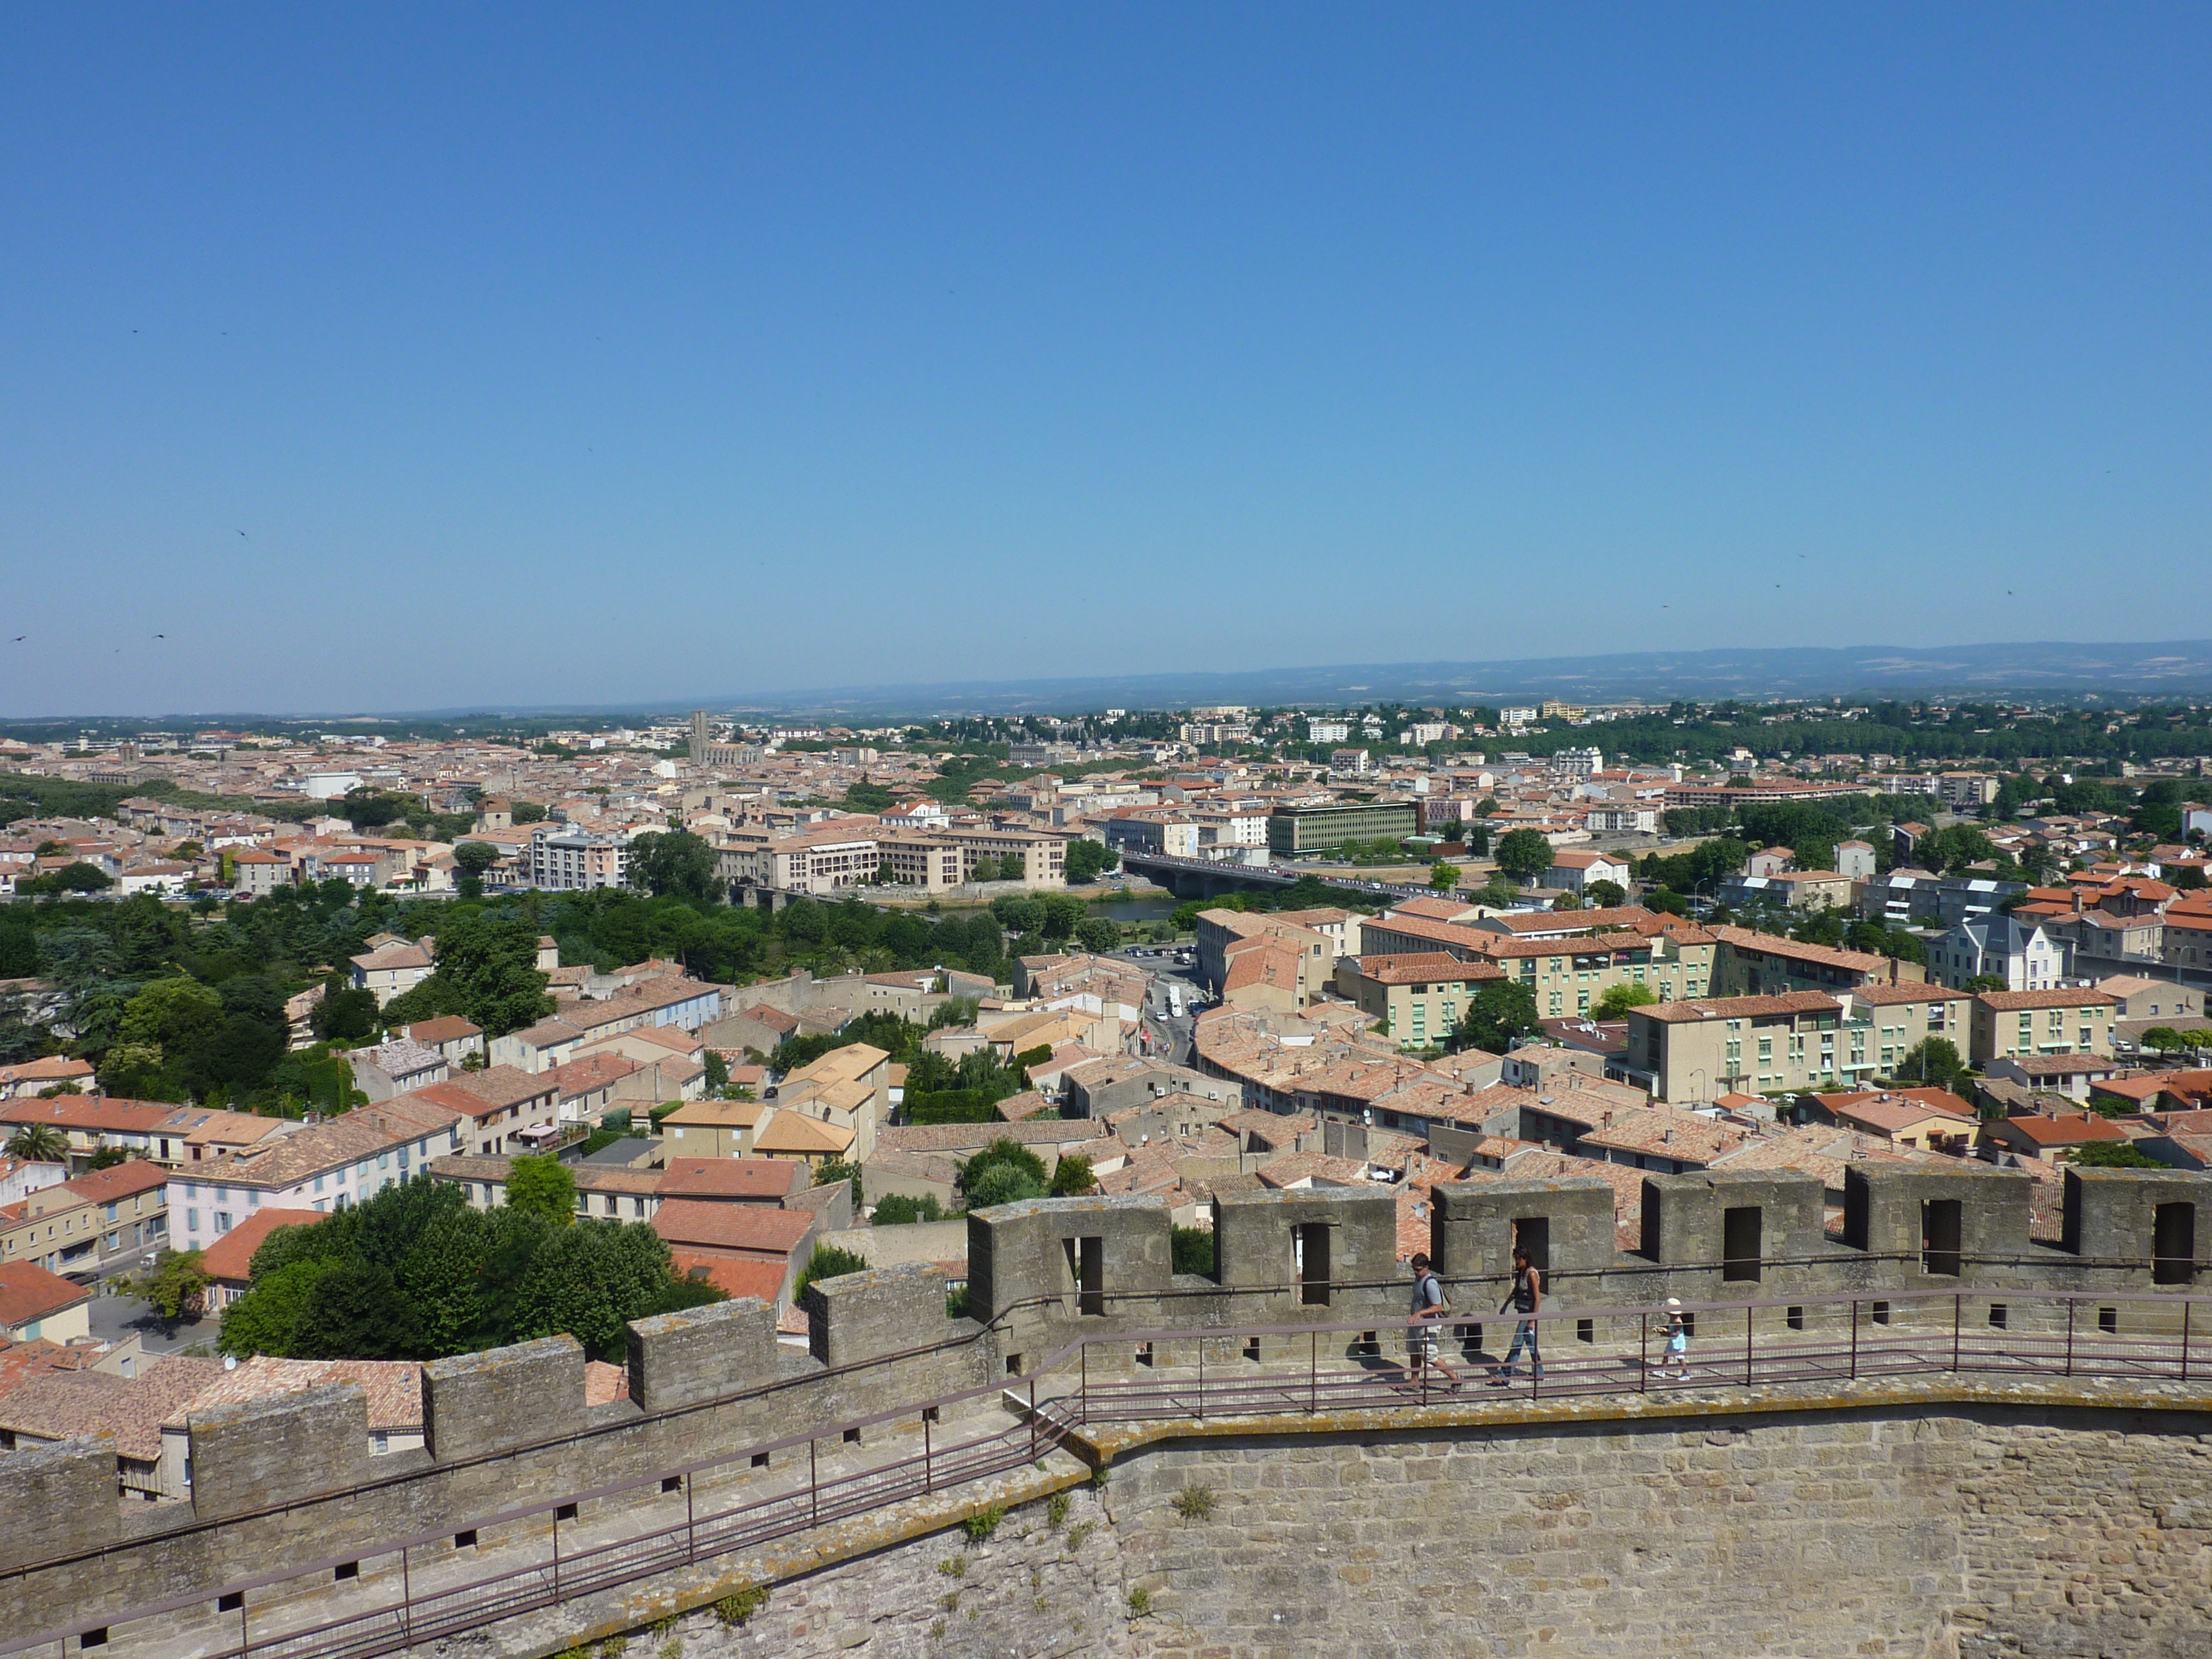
[289, 1479]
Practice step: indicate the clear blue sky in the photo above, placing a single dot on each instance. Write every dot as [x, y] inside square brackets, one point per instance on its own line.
[554, 354]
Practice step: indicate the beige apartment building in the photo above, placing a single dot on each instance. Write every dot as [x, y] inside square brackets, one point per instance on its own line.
[1885, 1023]
[2018, 1024]
[1695, 1051]
[1418, 999]
[849, 1089]
[832, 859]
[1568, 976]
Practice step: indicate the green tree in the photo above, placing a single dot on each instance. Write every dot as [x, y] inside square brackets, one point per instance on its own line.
[267, 1318]
[899, 1209]
[1619, 999]
[673, 864]
[1088, 859]
[38, 1143]
[827, 1263]
[354, 1312]
[835, 1170]
[1063, 913]
[1191, 1251]
[345, 1016]
[543, 1188]
[1098, 934]
[1934, 1062]
[718, 1070]
[487, 970]
[866, 797]
[1524, 854]
[1072, 1177]
[1605, 895]
[1004, 1172]
[176, 1284]
[1497, 1017]
[2111, 1155]
[1443, 876]
[78, 878]
[171, 1014]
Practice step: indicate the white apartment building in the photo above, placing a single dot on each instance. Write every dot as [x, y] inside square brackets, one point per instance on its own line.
[564, 860]
[1328, 732]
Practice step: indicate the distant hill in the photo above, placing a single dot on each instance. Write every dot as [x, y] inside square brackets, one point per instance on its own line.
[2172, 668]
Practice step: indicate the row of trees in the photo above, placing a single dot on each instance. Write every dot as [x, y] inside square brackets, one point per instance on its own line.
[416, 1273]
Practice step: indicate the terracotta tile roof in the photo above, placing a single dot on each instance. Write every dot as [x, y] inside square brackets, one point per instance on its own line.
[69, 1405]
[1617, 916]
[21, 1361]
[1884, 995]
[715, 1114]
[118, 1181]
[796, 1133]
[603, 1384]
[1430, 966]
[1823, 956]
[762, 1178]
[28, 1292]
[495, 1089]
[588, 1072]
[2061, 1131]
[95, 1114]
[733, 1276]
[1688, 1013]
[2006, 1001]
[394, 1387]
[446, 1028]
[229, 1257]
[699, 1225]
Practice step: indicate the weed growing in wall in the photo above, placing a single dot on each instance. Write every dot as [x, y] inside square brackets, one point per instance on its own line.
[1195, 1502]
[980, 1527]
[739, 1605]
[1055, 1510]
[1141, 1603]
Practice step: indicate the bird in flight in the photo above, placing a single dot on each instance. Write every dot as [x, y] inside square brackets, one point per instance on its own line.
[160, 636]
[247, 537]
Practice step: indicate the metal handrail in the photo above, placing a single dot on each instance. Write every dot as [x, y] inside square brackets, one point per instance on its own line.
[1049, 1417]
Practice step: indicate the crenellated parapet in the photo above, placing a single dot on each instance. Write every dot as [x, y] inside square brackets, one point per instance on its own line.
[715, 1400]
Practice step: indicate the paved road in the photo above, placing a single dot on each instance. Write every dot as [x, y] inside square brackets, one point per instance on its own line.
[116, 1316]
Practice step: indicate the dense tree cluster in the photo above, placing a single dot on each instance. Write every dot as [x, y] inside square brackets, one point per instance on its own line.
[415, 1273]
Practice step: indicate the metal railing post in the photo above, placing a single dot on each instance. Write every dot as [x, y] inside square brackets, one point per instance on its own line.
[1854, 1339]
[813, 1485]
[1033, 1420]
[556, 1555]
[1643, 1354]
[2070, 1336]
[1313, 1370]
[690, 1521]
[928, 1454]
[1201, 1377]
[406, 1600]
[1958, 1310]
[2185, 1339]
[1747, 1345]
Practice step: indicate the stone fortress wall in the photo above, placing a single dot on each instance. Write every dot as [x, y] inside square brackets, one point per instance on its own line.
[282, 1484]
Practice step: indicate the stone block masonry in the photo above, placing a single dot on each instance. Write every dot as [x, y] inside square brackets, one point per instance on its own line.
[1931, 1265]
[1978, 1533]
